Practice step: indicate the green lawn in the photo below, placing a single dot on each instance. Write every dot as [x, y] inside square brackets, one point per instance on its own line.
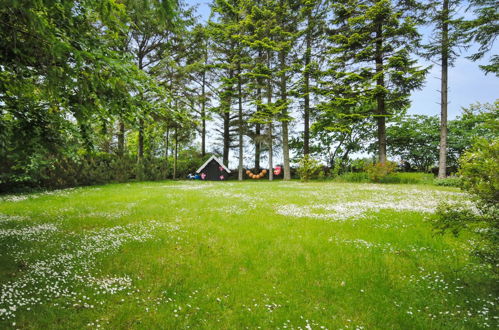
[238, 255]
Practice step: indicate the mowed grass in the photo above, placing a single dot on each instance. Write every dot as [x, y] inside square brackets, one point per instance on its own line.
[232, 255]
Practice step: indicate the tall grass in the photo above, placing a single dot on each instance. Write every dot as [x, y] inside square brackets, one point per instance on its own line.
[395, 178]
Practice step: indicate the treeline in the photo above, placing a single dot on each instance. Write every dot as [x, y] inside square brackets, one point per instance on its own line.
[93, 91]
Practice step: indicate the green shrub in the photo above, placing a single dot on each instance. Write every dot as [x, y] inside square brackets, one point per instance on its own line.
[408, 178]
[479, 170]
[83, 169]
[360, 164]
[376, 172]
[308, 167]
[479, 174]
[353, 177]
[321, 176]
[452, 181]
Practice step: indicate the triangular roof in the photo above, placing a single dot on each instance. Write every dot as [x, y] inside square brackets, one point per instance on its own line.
[209, 160]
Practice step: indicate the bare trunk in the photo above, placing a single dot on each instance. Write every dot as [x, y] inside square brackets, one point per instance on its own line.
[258, 149]
[167, 142]
[270, 138]
[226, 115]
[140, 151]
[226, 137]
[121, 139]
[306, 96]
[442, 162]
[203, 115]
[380, 98]
[271, 156]
[175, 156]
[284, 121]
[240, 119]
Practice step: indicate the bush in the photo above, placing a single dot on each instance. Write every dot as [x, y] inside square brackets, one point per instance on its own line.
[408, 178]
[479, 176]
[360, 164]
[353, 177]
[452, 181]
[399, 178]
[479, 170]
[85, 169]
[308, 167]
[376, 172]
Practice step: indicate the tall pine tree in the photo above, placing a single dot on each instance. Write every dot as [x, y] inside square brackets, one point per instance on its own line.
[371, 66]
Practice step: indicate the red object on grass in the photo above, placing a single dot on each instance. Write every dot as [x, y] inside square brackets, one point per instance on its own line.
[277, 170]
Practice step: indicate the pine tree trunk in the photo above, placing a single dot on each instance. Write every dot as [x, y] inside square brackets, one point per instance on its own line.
[203, 115]
[121, 139]
[258, 149]
[167, 142]
[380, 98]
[226, 136]
[240, 119]
[140, 144]
[271, 152]
[107, 143]
[175, 156]
[284, 122]
[270, 138]
[442, 162]
[306, 97]
[140, 151]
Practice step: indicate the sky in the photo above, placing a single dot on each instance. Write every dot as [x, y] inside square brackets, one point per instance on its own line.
[467, 83]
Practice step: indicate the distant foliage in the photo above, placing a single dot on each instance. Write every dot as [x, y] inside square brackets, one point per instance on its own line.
[377, 172]
[415, 140]
[308, 167]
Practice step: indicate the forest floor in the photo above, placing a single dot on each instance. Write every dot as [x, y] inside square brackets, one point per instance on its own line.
[238, 255]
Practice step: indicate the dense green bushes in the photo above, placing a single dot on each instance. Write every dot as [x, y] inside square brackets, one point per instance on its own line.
[395, 178]
[479, 172]
[100, 168]
[308, 168]
[452, 181]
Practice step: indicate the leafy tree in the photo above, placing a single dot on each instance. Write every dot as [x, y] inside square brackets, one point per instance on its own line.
[478, 120]
[308, 167]
[479, 176]
[285, 35]
[148, 37]
[415, 140]
[59, 61]
[371, 46]
[444, 45]
[314, 13]
[336, 135]
[483, 29]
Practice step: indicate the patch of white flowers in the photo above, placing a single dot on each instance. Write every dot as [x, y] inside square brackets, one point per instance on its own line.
[57, 275]
[8, 218]
[23, 197]
[412, 200]
[31, 233]
[481, 311]
[108, 285]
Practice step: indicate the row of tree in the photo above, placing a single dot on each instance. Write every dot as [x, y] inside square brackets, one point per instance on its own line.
[142, 78]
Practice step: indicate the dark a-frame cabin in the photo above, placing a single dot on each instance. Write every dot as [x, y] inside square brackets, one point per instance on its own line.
[213, 170]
